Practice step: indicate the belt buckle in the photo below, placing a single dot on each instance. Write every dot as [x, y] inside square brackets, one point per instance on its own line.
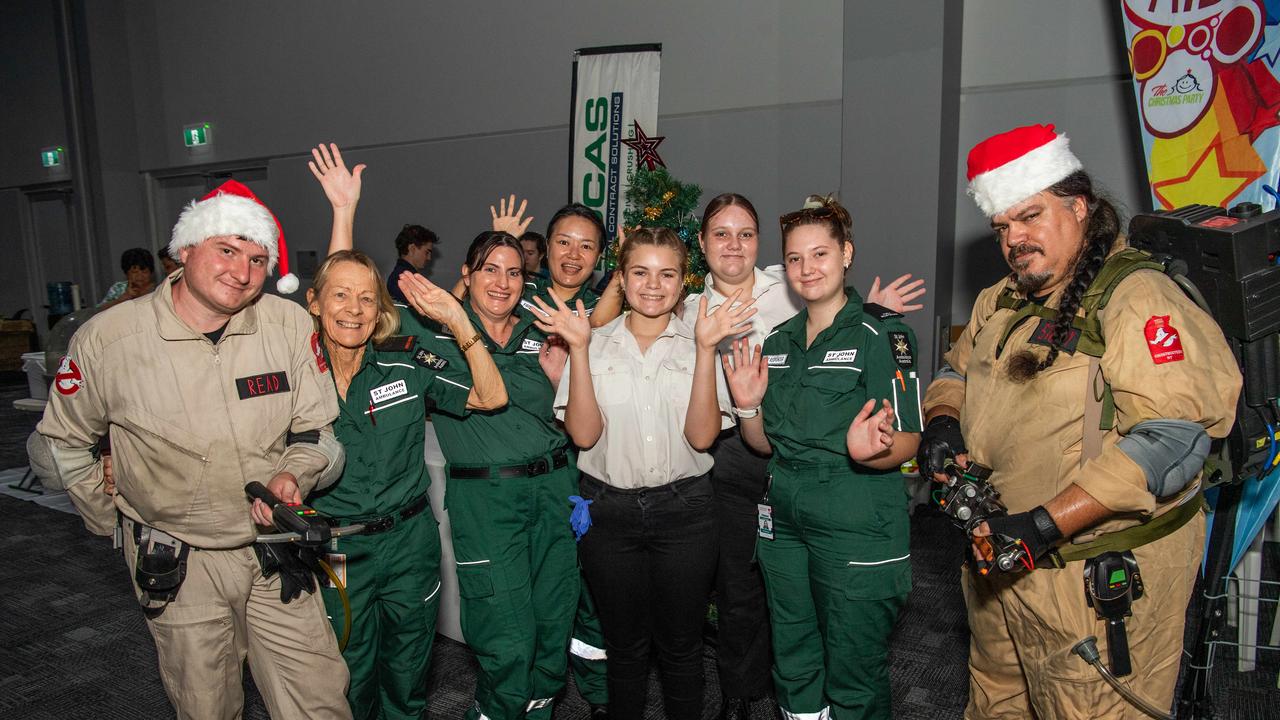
[537, 467]
[379, 525]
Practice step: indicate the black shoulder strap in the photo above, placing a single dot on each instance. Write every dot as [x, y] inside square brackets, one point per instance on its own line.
[397, 343]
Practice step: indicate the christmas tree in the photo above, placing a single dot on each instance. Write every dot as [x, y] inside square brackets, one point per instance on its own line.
[656, 199]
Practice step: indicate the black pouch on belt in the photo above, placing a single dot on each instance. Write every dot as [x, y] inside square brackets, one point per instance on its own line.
[1111, 584]
[160, 568]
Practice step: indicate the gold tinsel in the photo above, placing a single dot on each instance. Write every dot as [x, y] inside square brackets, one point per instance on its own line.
[652, 212]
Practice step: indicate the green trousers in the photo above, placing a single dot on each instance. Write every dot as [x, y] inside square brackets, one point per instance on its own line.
[837, 573]
[393, 586]
[518, 578]
[586, 652]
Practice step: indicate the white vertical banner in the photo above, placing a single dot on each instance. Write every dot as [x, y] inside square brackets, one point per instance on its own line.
[614, 88]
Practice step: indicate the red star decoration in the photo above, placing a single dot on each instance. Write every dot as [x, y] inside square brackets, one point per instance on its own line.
[646, 147]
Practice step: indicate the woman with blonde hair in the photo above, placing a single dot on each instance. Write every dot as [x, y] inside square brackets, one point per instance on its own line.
[386, 383]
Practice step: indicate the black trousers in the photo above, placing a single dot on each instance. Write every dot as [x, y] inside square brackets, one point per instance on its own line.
[745, 653]
[650, 561]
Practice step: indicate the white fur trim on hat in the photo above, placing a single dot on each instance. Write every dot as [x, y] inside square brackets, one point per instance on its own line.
[287, 284]
[225, 214]
[999, 189]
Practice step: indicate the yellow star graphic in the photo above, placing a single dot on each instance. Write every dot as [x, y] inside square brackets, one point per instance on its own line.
[1209, 182]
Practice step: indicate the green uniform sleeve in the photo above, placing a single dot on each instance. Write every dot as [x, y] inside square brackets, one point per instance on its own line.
[449, 383]
[895, 362]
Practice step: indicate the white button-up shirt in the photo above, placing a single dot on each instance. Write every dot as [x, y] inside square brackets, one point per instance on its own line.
[775, 304]
[643, 398]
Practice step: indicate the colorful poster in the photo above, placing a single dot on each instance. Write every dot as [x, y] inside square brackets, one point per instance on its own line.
[1205, 80]
[615, 92]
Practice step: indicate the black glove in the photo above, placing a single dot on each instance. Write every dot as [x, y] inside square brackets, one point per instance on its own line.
[298, 567]
[1035, 528]
[941, 441]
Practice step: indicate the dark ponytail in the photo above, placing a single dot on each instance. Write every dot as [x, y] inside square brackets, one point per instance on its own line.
[1102, 227]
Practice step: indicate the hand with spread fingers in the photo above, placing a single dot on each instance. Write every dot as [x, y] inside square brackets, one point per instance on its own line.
[510, 219]
[869, 435]
[747, 374]
[341, 186]
[731, 319]
[897, 294]
[571, 325]
[552, 359]
[431, 300]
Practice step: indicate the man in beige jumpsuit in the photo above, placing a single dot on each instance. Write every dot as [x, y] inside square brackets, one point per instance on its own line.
[1022, 413]
[204, 385]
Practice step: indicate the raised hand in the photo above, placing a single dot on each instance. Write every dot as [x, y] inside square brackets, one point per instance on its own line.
[869, 435]
[552, 359]
[341, 186]
[747, 375]
[560, 321]
[431, 300]
[897, 294]
[724, 322]
[507, 218]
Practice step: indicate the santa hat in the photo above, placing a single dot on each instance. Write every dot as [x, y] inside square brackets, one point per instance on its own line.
[233, 209]
[1008, 168]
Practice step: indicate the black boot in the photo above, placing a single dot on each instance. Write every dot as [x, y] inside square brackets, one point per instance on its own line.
[599, 712]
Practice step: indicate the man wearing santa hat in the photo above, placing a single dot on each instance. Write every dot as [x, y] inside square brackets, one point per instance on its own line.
[1090, 385]
[202, 386]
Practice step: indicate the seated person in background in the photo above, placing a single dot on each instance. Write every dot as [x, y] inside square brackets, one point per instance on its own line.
[535, 250]
[414, 245]
[167, 262]
[139, 268]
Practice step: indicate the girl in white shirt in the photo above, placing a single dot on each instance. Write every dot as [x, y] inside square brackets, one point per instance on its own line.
[643, 400]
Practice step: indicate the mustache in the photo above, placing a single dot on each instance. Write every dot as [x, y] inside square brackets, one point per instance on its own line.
[1024, 249]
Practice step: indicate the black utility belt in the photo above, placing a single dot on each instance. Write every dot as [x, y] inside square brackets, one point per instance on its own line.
[538, 466]
[386, 522]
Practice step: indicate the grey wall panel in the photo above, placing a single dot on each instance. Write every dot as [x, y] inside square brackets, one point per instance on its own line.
[13, 271]
[272, 77]
[31, 94]
[773, 156]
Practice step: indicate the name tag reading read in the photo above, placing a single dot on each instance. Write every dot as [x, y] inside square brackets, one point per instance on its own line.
[264, 384]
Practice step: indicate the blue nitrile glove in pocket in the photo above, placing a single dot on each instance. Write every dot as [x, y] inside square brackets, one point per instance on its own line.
[580, 518]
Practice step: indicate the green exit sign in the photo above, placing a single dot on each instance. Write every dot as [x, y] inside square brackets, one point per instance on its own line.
[51, 157]
[197, 135]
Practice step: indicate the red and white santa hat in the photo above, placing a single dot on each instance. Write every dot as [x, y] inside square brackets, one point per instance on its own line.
[233, 209]
[1008, 168]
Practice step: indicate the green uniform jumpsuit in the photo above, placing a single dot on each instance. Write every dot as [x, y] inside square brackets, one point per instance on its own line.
[392, 576]
[586, 647]
[835, 558]
[516, 559]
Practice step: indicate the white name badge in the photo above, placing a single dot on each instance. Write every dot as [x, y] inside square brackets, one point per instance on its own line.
[531, 345]
[390, 391]
[776, 360]
[840, 356]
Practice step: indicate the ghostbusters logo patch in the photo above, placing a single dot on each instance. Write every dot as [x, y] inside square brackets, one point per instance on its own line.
[318, 351]
[68, 379]
[430, 360]
[1163, 340]
[903, 354]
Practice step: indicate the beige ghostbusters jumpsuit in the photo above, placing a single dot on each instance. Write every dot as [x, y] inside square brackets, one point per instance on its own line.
[190, 423]
[1024, 624]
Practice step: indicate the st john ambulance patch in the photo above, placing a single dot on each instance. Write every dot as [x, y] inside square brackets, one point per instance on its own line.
[903, 354]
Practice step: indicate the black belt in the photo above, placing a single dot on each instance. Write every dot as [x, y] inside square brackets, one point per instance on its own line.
[538, 466]
[386, 522]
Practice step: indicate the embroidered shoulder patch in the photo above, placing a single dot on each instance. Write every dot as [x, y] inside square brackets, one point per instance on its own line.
[903, 354]
[68, 379]
[430, 360]
[318, 351]
[1163, 341]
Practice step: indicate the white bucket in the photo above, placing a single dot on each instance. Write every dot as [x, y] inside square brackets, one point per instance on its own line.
[33, 366]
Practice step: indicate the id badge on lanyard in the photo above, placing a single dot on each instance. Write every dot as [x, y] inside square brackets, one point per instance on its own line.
[764, 521]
